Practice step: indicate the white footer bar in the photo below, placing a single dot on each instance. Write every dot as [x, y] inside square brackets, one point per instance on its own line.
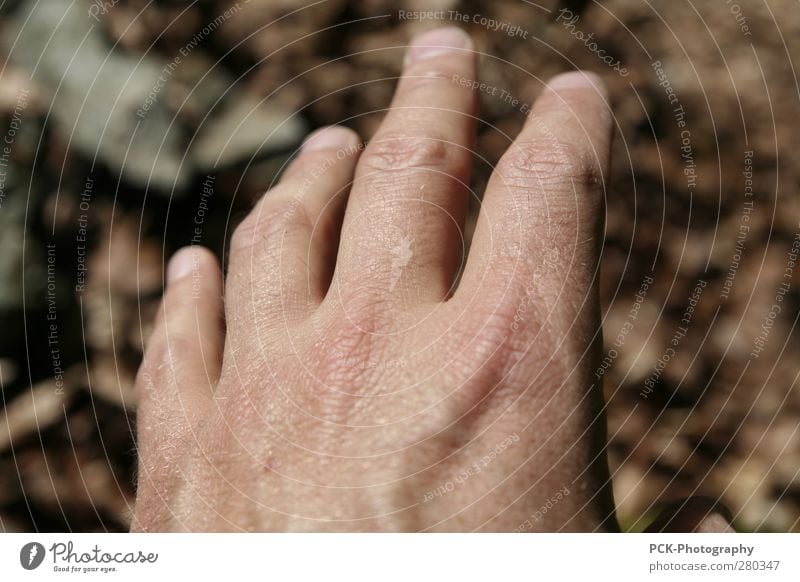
[401, 557]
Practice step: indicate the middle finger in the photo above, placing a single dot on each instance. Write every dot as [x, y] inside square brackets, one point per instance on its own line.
[402, 228]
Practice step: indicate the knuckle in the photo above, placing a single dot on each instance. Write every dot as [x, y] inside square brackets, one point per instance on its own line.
[398, 152]
[547, 162]
[354, 339]
[366, 307]
[568, 179]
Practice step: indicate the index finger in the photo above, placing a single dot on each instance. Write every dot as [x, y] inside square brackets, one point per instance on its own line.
[539, 229]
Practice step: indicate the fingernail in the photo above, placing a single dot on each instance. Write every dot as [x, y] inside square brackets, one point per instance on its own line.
[576, 80]
[437, 42]
[332, 137]
[181, 264]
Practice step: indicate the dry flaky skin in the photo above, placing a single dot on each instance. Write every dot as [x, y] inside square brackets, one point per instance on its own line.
[369, 394]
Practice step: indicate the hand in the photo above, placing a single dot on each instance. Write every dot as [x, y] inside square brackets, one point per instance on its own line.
[356, 377]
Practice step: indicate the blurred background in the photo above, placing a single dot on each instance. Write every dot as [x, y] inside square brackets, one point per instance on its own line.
[129, 128]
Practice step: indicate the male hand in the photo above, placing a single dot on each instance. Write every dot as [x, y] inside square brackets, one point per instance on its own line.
[364, 374]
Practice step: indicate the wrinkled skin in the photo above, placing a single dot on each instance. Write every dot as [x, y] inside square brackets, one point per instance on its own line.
[362, 372]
